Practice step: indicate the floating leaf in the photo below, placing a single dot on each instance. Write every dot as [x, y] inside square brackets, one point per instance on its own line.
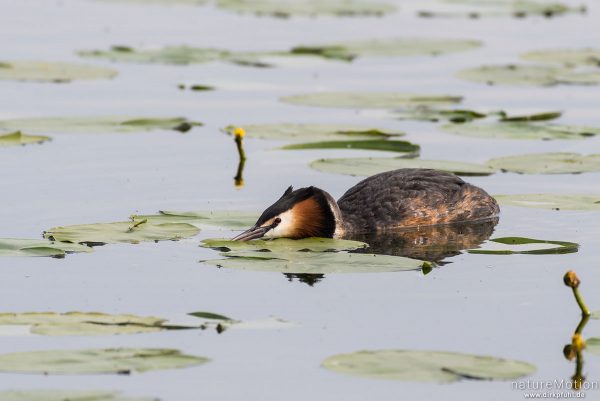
[596, 315]
[433, 114]
[502, 8]
[369, 166]
[165, 55]
[67, 395]
[521, 130]
[196, 87]
[387, 47]
[374, 144]
[312, 244]
[162, 2]
[52, 72]
[547, 163]
[528, 246]
[370, 100]
[568, 57]
[314, 131]
[35, 247]
[538, 75]
[545, 116]
[18, 138]
[122, 124]
[284, 9]
[97, 361]
[593, 344]
[308, 255]
[210, 315]
[426, 366]
[223, 219]
[82, 324]
[122, 232]
[552, 201]
[317, 263]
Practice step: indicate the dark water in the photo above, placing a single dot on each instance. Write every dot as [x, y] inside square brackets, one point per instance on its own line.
[508, 306]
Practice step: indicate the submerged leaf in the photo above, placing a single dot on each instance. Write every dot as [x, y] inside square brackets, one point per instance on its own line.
[282, 9]
[370, 100]
[121, 232]
[67, 395]
[521, 130]
[370, 166]
[121, 124]
[18, 138]
[35, 247]
[52, 72]
[426, 366]
[547, 163]
[528, 246]
[314, 131]
[552, 201]
[376, 144]
[222, 219]
[96, 361]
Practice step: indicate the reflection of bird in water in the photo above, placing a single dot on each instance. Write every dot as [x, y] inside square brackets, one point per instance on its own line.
[431, 243]
[381, 204]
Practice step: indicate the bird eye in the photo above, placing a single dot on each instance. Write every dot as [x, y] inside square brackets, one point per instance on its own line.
[276, 221]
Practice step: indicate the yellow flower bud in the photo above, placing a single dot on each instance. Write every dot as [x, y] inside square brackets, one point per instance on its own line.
[577, 342]
[239, 132]
[571, 279]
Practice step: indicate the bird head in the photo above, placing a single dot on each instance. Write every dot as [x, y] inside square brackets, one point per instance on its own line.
[305, 212]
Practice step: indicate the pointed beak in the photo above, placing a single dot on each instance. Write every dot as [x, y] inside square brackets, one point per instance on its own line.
[252, 233]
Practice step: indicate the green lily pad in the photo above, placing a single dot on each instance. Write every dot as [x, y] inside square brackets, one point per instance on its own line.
[82, 324]
[163, 2]
[547, 163]
[527, 246]
[552, 201]
[36, 247]
[165, 55]
[121, 124]
[284, 245]
[304, 8]
[369, 166]
[370, 100]
[121, 232]
[52, 72]
[67, 395]
[316, 262]
[387, 47]
[374, 144]
[18, 138]
[97, 361]
[222, 219]
[545, 116]
[433, 114]
[567, 57]
[592, 345]
[503, 8]
[521, 130]
[314, 131]
[537, 75]
[426, 366]
[196, 87]
[210, 315]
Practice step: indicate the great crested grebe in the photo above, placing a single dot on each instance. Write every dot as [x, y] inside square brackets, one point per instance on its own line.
[394, 200]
